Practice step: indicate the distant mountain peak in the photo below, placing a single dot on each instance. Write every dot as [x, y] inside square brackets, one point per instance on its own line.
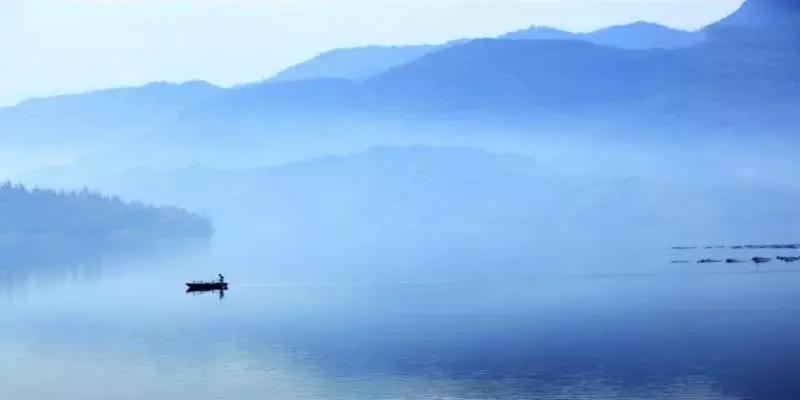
[639, 35]
[638, 25]
[541, 29]
[757, 13]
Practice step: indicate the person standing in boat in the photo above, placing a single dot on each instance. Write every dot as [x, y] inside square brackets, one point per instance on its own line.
[221, 278]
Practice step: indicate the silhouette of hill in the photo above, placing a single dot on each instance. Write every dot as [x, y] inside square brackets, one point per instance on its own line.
[701, 87]
[708, 84]
[510, 73]
[636, 36]
[537, 32]
[354, 64]
[98, 118]
[763, 13]
[45, 230]
[362, 63]
[84, 215]
[761, 23]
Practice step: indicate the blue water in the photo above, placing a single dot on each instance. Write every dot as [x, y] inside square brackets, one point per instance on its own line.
[123, 328]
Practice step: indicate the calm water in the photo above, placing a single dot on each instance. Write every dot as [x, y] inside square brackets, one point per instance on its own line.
[126, 330]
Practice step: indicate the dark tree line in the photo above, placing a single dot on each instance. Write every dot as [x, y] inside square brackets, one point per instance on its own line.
[85, 214]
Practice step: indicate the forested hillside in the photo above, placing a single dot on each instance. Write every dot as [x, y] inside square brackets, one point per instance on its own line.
[26, 213]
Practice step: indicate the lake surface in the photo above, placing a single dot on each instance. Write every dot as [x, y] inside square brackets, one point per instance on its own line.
[125, 329]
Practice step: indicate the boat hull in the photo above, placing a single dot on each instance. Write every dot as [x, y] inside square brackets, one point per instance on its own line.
[200, 286]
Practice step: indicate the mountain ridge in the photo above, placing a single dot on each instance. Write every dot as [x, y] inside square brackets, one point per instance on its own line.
[715, 86]
[357, 63]
[361, 63]
[638, 35]
[761, 13]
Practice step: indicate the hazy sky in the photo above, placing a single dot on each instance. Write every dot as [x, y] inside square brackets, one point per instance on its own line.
[62, 46]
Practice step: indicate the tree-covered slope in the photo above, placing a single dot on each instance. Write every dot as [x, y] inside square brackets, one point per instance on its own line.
[26, 213]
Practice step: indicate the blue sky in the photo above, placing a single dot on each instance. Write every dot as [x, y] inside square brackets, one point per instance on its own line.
[63, 46]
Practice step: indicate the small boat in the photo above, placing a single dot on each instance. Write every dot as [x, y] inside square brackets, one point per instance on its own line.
[761, 260]
[202, 286]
